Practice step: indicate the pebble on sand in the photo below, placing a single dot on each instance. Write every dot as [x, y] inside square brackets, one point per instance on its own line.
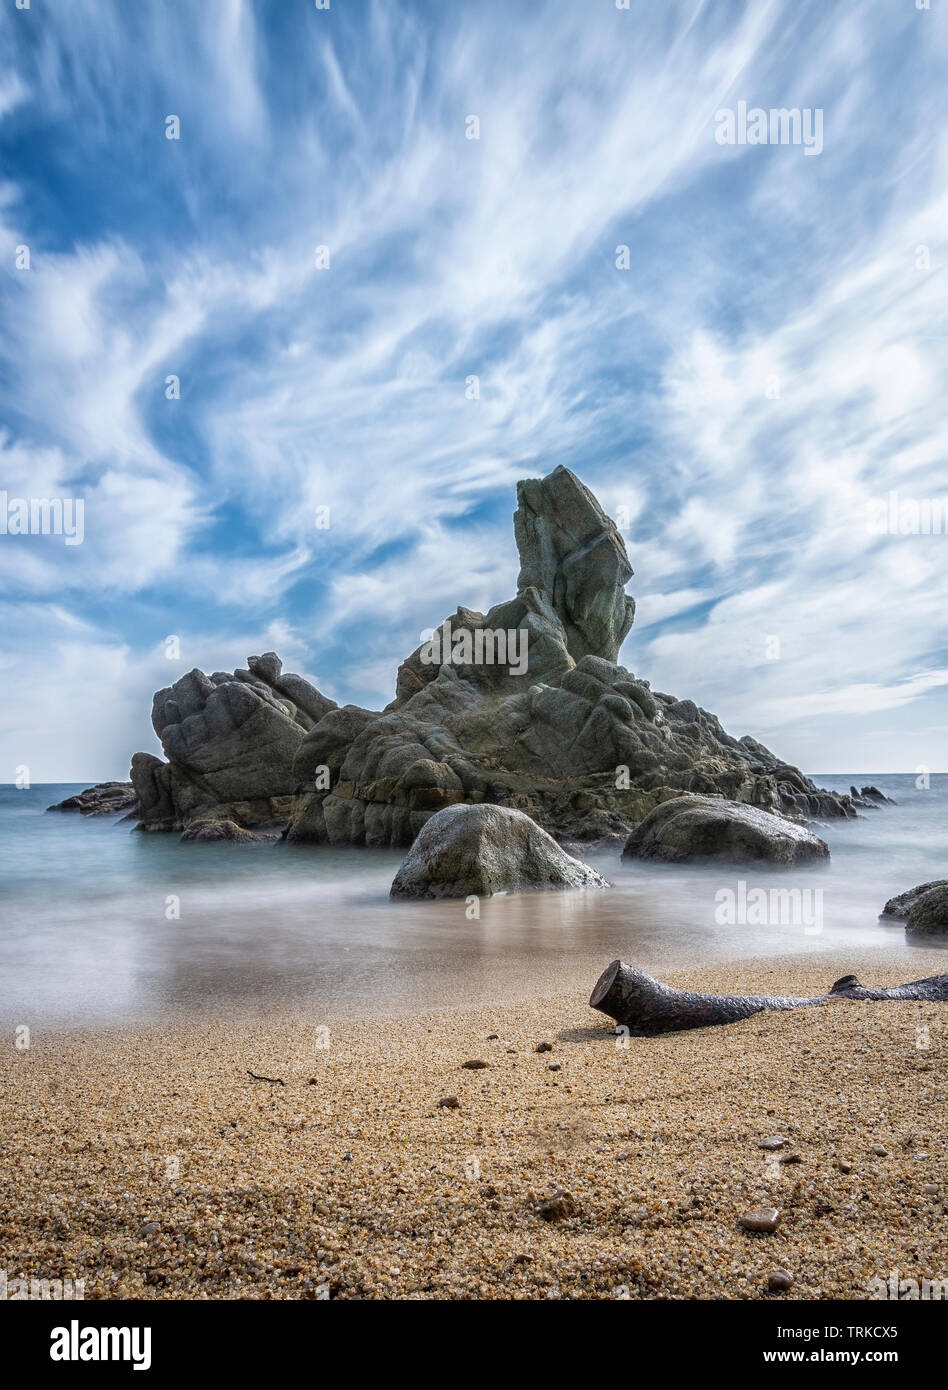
[761, 1219]
[558, 1207]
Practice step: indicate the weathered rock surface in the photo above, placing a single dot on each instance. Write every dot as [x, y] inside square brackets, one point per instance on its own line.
[523, 707]
[104, 799]
[482, 850]
[222, 830]
[901, 905]
[710, 827]
[230, 741]
[928, 917]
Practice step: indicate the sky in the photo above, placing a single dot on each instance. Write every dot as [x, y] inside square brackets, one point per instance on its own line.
[744, 386]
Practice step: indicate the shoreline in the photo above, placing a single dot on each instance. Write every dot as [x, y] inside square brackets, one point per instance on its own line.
[350, 1181]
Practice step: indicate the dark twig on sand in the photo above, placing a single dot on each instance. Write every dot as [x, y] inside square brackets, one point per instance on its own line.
[274, 1080]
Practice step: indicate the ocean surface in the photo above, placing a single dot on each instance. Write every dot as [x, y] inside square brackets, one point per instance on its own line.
[102, 925]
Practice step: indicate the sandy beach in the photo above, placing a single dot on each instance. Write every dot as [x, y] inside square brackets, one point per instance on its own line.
[149, 1164]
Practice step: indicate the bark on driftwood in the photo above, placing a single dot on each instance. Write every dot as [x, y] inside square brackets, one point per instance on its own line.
[646, 1006]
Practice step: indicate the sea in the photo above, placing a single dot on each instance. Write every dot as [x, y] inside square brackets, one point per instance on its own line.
[103, 925]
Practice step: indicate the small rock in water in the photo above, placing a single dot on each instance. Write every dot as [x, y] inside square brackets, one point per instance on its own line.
[779, 1281]
[776, 1141]
[475, 1064]
[544, 1047]
[559, 1206]
[449, 1103]
[761, 1219]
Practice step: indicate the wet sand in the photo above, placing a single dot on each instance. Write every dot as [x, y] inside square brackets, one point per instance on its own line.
[149, 1164]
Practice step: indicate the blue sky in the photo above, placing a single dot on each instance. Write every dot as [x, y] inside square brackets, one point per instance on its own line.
[773, 359]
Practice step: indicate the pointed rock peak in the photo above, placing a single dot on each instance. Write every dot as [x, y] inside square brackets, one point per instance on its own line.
[573, 554]
[268, 667]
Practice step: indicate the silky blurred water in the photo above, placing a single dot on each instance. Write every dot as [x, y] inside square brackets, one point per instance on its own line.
[88, 933]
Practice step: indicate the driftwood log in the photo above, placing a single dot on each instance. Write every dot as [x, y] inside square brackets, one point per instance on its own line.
[646, 1006]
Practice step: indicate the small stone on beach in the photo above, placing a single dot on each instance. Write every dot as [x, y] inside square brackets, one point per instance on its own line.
[556, 1208]
[761, 1219]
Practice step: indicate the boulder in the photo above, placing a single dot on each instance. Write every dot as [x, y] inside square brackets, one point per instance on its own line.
[464, 850]
[928, 917]
[711, 827]
[901, 905]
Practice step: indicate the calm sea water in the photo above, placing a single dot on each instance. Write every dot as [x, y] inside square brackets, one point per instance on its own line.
[88, 932]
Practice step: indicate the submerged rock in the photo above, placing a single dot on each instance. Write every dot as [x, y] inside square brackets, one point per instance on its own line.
[929, 915]
[104, 799]
[710, 827]
[901, 905]
[524, 706]
[481, 850]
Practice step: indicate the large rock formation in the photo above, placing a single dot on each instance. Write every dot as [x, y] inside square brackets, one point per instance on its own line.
[483, 850]
[231, 741]
[524, 707]
[710, 827]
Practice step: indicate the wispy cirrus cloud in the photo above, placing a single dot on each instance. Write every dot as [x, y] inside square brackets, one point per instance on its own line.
[773, 357]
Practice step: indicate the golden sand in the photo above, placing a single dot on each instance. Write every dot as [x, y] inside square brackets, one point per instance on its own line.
[149, 1164]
